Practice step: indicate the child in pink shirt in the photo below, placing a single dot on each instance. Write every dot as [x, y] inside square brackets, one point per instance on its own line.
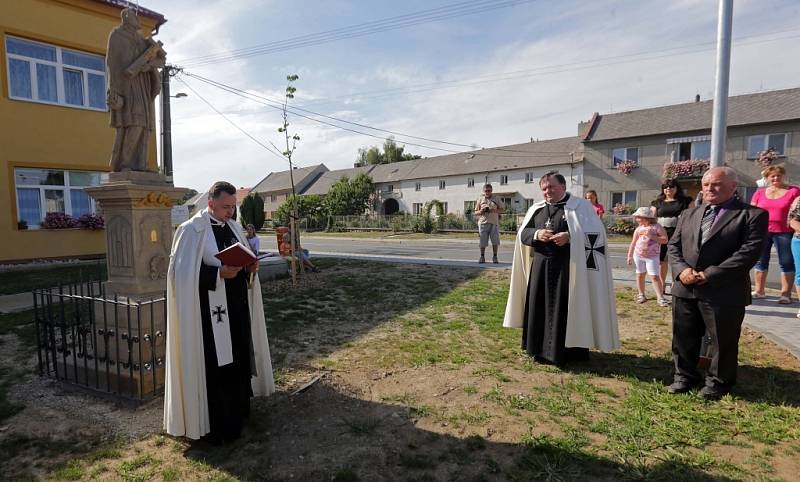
[644, 253]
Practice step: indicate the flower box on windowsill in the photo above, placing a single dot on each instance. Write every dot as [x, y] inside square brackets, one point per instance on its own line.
[689, 169]
[627, 166]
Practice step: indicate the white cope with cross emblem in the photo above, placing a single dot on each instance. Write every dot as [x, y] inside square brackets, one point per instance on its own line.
[592, 248]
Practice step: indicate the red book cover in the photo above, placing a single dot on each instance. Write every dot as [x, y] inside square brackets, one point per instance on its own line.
[236, 255]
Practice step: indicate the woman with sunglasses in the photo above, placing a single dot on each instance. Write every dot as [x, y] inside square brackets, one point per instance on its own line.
[669, 204]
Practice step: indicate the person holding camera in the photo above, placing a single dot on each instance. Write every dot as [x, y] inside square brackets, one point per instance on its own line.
[488, 209]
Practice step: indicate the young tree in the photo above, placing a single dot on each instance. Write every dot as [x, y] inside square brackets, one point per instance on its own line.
[291, 145]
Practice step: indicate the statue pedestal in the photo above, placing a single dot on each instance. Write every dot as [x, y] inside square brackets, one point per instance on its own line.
[137, 207]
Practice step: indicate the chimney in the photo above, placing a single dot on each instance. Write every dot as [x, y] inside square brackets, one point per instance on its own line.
[697, 98]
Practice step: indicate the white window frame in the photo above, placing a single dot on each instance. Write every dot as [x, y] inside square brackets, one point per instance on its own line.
[504, 179]
[416, 208]
[66, 188]
[624, 198]
[442, 184]
[529, 203]
[470, 182]
[418, 186]
[614, 162]
[273, 198]
[60, 67]
[765, 145]
[528, 178]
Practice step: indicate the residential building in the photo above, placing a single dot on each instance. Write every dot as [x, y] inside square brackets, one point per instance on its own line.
[457, 180]
[55, 138]
[656, 136]
[277, 186]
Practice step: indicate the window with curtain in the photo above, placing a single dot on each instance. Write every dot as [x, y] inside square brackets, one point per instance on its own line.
[42, 191]
[40, 72]
[756, 144]
[625, 154]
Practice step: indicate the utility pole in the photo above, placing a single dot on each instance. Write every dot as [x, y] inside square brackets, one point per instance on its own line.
[166, 123]
[719, 123]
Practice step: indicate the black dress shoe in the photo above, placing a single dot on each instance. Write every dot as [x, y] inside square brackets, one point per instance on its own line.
[680, 387]
[713, 393]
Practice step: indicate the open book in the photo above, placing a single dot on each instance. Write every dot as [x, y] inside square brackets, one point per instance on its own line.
[238, 255]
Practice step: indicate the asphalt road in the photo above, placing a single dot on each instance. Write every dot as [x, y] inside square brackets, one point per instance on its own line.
[457, 250]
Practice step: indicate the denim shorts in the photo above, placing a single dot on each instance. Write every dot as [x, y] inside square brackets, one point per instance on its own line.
[783, 245]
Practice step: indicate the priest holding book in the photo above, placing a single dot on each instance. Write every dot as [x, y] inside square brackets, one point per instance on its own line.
[217, 349]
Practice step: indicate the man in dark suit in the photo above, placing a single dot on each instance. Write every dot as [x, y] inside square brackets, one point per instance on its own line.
[712, 251]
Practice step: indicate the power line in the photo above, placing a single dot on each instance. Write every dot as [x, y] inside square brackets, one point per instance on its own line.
[295, 108]
[360, 30]
[339, 30]
[230, 121]
[270, 103]
[543, 70]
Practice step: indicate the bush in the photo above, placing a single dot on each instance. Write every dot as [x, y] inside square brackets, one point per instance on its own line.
[508, 222]
[59, 221]
[401, 222]
[423, 223]
[622, 226]
[453, 221]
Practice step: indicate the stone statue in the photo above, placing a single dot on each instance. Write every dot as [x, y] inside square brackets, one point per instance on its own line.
[134, 82]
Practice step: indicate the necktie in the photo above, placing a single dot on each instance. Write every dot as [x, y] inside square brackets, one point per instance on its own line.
[707, 223]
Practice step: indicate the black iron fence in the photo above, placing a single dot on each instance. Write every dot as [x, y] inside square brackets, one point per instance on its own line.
[109, 344]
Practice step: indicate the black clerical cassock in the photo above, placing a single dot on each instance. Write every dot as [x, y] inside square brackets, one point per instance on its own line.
[545, 316]
[228, 386]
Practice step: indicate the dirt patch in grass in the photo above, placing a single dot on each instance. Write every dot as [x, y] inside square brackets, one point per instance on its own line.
[417, 380]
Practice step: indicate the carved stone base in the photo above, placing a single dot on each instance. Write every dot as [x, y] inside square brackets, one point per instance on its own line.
[137, 207]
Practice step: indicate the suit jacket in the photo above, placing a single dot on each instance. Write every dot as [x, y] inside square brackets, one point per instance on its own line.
[733, 247]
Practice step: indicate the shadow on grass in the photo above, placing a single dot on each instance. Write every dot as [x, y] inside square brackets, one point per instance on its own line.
[771, 385]
[323, 434]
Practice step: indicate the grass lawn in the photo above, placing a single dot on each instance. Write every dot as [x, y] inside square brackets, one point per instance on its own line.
[418, 381]
[24, 280]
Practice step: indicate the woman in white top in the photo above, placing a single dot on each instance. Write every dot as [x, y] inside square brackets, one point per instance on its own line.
[252, 239]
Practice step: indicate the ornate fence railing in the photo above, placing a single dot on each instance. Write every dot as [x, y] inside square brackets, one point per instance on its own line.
[108, 344]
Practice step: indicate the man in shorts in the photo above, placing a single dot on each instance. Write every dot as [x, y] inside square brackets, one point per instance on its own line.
[488, 210]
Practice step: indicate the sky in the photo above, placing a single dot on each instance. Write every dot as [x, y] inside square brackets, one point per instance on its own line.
[457, 73]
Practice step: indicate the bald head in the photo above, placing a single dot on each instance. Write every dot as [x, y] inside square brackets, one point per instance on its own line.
[719, 185]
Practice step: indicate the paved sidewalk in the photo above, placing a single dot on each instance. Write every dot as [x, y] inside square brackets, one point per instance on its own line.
[16, 302]
[777, 322]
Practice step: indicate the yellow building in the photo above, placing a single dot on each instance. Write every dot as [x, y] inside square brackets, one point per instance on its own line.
[55, 137]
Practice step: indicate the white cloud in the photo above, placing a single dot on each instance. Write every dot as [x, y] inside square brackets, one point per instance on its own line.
[490, 113]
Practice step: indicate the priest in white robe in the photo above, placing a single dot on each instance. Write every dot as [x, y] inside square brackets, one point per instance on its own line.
[561, 292]
[217, 349]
